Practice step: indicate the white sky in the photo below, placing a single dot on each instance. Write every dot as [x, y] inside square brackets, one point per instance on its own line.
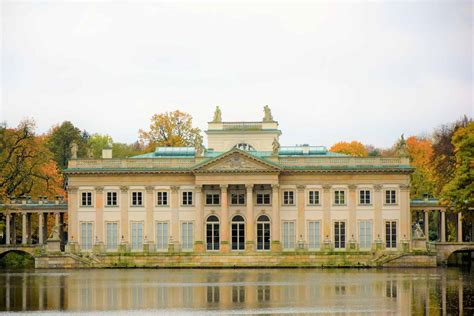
[329, 72]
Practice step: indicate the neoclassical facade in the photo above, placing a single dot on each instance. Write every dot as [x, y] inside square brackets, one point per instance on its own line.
[243, 193]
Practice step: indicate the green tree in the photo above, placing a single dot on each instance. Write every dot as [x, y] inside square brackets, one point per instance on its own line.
[170, 129]
[459, 191]
[97, 142]
[60, 139]
[120, 150]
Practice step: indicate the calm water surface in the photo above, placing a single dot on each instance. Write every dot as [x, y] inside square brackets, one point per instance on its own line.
[259, 291]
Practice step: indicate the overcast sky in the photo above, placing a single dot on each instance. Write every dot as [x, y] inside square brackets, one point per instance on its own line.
[329, 72]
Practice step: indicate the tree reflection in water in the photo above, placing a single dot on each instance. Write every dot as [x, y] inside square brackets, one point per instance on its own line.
[417, 291]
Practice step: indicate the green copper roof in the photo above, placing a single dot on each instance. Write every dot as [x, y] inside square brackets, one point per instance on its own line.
[169, 152]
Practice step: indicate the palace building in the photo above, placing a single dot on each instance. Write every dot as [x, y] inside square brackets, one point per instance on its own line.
[242, 193]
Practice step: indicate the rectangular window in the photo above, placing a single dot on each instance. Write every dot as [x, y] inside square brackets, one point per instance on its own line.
[289, 235]
[86, 236]
[187, 236]
[162, 198]
[365, 234]
[390, 197]
[364, 197]
[313, 197]
[263, 198]
[314, 235]
[112, 235]
[212, 199]
[137, 198]
[391, 234]
[162, 236]
[86, 199]
[339, 235]
[137, 236]
[288, 198]
[237, 198]
[187, 198]
[111, 199]
[339, 197]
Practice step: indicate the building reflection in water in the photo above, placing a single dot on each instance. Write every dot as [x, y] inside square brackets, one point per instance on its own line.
[430, 291]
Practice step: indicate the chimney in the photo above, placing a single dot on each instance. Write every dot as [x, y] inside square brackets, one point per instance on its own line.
[107, 153]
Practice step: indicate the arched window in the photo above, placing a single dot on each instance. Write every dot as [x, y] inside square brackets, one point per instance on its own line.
[212, 233]
[263, 233]
[238, 233]
[245, 146]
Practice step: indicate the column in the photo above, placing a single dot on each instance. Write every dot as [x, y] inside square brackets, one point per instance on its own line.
[174, 231]
[300, 213]
[327, 212]
[14, 216]
[459, 227]
[250, 240]
[28, 228]
[352, 202]
[72, 216]
[426, 222]
[224, 219]
[443, 226]
[199, 224]
[149, 214]
[40, 228]
[45, 227]
[276, 224]
[7, 228]
[124, 214]
[405, 218]
[61, 227]
[23, 228]
[99, 214]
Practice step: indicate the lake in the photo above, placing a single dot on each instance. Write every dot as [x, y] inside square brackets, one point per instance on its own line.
[240, 291]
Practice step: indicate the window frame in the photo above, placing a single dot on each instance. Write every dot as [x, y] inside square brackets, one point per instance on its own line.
[340, 239]
[393, 243]
[238, 193]
[189, 200]
[92, 233]
[319, 239]
[288, 197]
[190, 236]
[140, 242]
[117, 241]
[263, 193]
[318, 196]
[371, 234]
[292, 241]
[390, 203]
[162, 192]
[364, 202]
[212, 195]
[106, 200]
[82, 199]
[142, 198]
[165, 241]
[337, 194]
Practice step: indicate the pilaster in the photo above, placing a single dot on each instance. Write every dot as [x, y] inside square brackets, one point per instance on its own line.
[99, 213]
[72, 215]
[327, 212]
[378, 223]
[405, 218]
[149, 214]
[224, 219]
[300, 235]
[124, 205]
[174, 233]
[250, 227]
[276, 245]
[199, 225]
[352, 225]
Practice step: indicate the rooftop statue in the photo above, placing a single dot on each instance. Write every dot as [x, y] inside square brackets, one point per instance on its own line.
[276, 146]
[217, 115]
[198, 146]
[402, 150]
[267, 114]
[74, 149]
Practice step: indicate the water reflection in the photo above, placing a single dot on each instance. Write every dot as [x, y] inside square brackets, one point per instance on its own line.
[417, 291]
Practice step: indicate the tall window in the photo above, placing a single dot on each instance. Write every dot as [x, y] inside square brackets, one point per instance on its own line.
[212, 198]
[288, 197]
[391, 234]
[137, 198]
[263, 233]
[238, 233]
[187, 235]
[365, 234]
[86, 199]
[237, 198]
[112, 235]
[339, 197]
[162, 198]
[263, 198]
[364, 197]
[137, 236]
[313, 197]
[390, 197]
[162, 236]
[111, 199]
[187, 198]
[212, 233]
[314, 235]
[86, 235]
[289, 235]
[339, 235]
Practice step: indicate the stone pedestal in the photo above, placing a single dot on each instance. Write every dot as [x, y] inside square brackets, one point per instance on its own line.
[405, 245]
[378, 244]
[327, 245]
[419, 244]
[148, 247]
[172, 247]
[353, 245]
[98, 248]
[53, 245]
[300, 246]
[72, 247]
[123, 247]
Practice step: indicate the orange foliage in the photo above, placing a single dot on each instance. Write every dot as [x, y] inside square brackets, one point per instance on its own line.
[353, 148]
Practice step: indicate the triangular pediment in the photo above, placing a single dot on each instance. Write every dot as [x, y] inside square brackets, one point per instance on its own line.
[237, 160]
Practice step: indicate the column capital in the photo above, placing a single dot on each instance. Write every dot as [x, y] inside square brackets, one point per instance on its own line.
[149, 188]
[378, 187]
[442, 210]
[352, 187]
[275, 187]
[426, 211]
[327, 187]
[249, 187]
[404, 187]
[99, 189]
[72, 189]
[198, 188]
[124, 189]
[223, 186]
[174, 188]
[301, 187]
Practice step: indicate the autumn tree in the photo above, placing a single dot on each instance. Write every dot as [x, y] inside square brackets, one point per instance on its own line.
[26, 165]
[60, 139]
[353, 148]
[170, 129]
[420, 152]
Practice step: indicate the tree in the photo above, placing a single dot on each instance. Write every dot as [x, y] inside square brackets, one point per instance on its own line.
[120, 150]
[97, 142]
[170, 129]
[420, 152]
[60, 139]
[26, 165]
[459, 191]
[353, 148]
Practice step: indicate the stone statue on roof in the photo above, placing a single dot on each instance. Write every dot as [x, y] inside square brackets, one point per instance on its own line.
[267, 117]
[74, 149]
[276, 147]
[199, 148]
[217, 115]
[402, 150]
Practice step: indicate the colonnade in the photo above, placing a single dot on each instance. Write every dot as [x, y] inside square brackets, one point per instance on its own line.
[442, 220]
